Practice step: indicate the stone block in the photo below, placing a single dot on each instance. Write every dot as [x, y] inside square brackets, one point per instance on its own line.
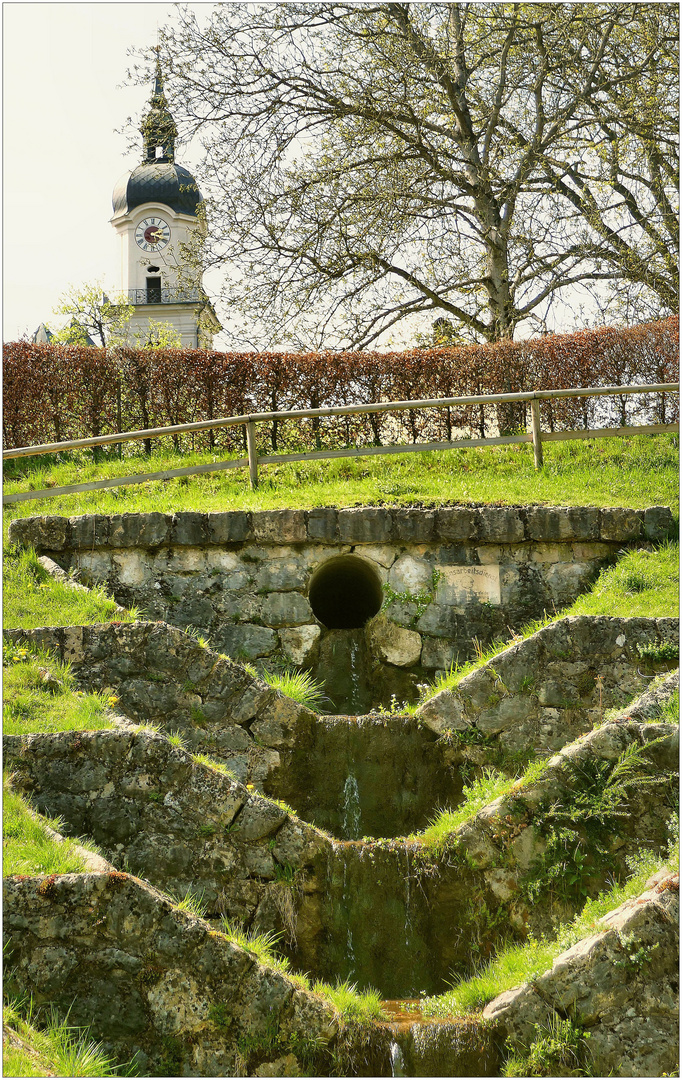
[444, 711]
[139, 530]
[259, 819]
[280, 526]
[231, 527]
[587, 550]
[249, 641]
[617, 523]
[286, 609]
[367, 525]
[401, 613]
[321, 524]
[187, 561]
[43, 533]
[384, 555]
[457, 523]
[527, 847]
[393, 644]
[438, 621]
[410, 575]
[438, 654]
[88, 531]
[132, 567]
[96, 565]
[188, 528]
[565, 581]
[509, 711]
[500, 525]
[299, 644]
[563, 523]
[280, 575]
[414, 526]
[658, 523]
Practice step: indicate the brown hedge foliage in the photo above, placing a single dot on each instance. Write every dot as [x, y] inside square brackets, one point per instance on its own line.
[55, 393]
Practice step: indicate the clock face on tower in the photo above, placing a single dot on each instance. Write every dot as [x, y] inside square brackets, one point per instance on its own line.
[152, 234]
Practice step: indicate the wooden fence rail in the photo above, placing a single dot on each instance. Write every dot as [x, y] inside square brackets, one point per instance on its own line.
[249, 421]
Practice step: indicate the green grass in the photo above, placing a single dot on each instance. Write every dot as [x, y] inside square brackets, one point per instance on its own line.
[521, 963]
[479, 793]
[670, 710]
[300, 686]
[35, 1045]
[355, 1007]
[32, 704]
[642, 583]
[637, 471]
[28, 848]
[31, 597]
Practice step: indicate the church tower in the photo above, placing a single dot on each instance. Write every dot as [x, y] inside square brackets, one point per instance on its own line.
[156, 212]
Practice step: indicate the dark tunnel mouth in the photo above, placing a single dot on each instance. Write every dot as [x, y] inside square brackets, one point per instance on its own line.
[345, 592]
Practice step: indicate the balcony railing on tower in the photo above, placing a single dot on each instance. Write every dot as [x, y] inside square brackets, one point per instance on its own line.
[163, 296]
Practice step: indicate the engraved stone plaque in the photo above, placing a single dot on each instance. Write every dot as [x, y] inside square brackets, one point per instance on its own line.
[460, 586]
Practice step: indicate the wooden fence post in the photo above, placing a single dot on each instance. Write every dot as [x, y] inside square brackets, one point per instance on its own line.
[252, 452]
[537, 432]
[119, 416]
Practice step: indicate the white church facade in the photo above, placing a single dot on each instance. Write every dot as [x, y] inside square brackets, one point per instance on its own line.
[157, 216]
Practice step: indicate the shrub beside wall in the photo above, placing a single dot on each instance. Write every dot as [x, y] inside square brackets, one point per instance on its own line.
[53, 393]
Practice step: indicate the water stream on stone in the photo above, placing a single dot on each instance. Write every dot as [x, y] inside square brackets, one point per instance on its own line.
[343, 669]
[351, 809]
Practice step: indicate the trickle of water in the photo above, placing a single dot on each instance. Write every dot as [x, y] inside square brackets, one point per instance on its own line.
[408, 913]
[351, 809]
[397, 1060]
[350, 947]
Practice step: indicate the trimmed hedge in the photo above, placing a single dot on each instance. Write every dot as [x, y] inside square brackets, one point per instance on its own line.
[54, 393]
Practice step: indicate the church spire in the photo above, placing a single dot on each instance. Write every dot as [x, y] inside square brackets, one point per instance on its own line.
[158, 127]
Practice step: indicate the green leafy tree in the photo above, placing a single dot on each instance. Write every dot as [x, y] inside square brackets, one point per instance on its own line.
[156, 335]
[93, 315]
[367, 163]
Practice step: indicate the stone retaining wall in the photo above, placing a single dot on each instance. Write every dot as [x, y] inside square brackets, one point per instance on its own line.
[156, 811]
[551, 687]
[162, 676]
[449, 575]
[160, 986]
[621, 985]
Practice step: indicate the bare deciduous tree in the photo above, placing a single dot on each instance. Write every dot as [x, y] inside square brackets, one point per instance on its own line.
[367, 163]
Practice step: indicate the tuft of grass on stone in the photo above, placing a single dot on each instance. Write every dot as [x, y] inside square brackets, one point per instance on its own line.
[356, 1007]
[211, 763]
[40, 695]
[192, 902]
[36, 1044]
[31, 597]
[300, 686]
[263, 946]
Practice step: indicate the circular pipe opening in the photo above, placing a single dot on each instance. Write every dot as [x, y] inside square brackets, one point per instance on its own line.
[345, 592]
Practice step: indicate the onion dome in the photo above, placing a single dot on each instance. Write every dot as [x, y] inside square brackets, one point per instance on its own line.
[158, 178]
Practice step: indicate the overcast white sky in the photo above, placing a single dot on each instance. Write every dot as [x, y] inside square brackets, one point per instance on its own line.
[62, 73]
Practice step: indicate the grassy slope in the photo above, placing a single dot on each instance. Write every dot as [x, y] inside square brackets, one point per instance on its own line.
[636, 472]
